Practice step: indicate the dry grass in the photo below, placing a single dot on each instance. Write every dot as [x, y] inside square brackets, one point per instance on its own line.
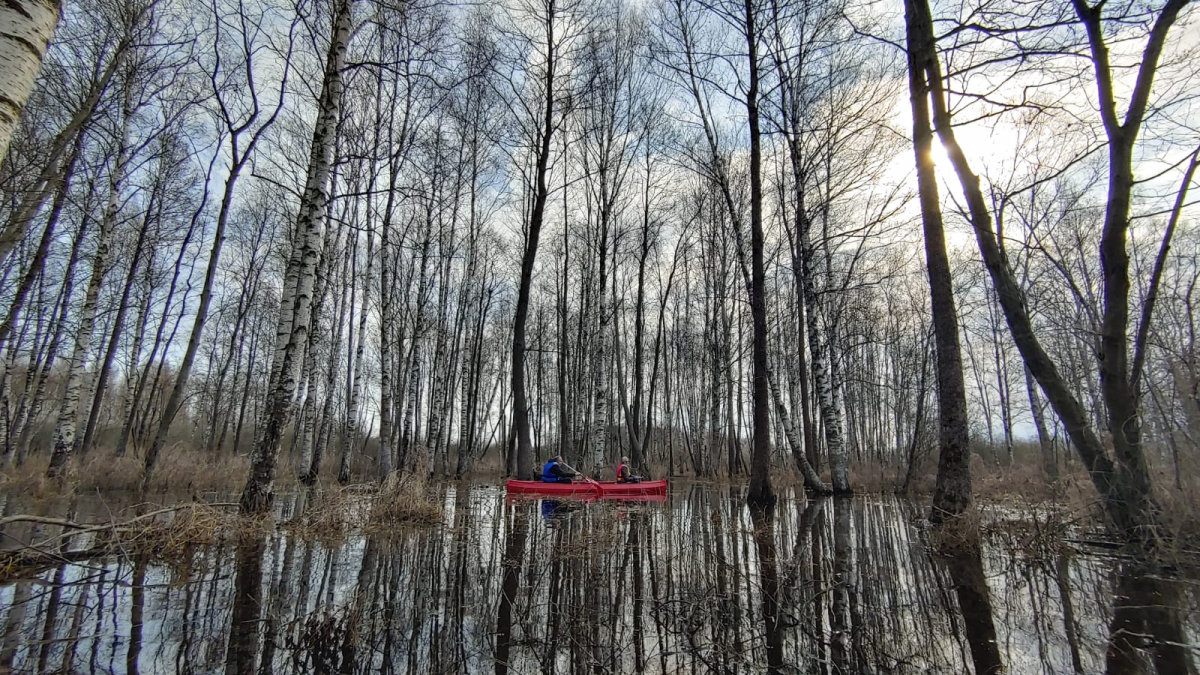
[163, 534]
[191, 525]
[168, 534]
[329, 515]
[179, 470]
[405, 499]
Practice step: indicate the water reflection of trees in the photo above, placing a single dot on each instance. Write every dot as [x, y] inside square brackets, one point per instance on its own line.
[700, 584]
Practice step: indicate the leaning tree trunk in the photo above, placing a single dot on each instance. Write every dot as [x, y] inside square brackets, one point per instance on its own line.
[31, 275]
[258, 493]
[27, 417]
[68, 416]
[306, 433]
[952, 492]
[1038, 411]
[831, 419]
[23, 215]
[28, 26]
[128, 429]
[812, 479]
[118, 325]
[39, 257]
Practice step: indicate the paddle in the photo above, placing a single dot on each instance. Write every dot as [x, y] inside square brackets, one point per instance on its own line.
[598, 487]
[595, 484]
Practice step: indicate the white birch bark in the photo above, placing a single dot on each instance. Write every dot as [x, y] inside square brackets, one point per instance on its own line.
[287, 300]
[258, 493]
[307, 401]
[827, 398]
[599, 382]
[27, 418]
[26, 27]
[331, 373]
[64, 431]
[811, 476]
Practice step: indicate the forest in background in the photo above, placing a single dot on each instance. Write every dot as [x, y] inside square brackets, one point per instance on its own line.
[297, 229]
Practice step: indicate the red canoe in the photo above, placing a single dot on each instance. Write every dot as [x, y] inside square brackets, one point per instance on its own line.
[584, 489]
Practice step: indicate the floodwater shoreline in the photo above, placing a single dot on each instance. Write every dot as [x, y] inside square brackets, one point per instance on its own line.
[697, 582]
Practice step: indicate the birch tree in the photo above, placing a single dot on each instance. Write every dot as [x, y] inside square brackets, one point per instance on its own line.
[28, 26]
[122, 149]
[258, 493]
[237, 118]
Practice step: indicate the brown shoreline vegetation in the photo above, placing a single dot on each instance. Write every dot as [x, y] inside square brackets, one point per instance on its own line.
[166, 534]
[1012, 503]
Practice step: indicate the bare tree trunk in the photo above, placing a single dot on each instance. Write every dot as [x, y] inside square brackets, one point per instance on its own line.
[952, 492]
[599, 364]
[761, 492]
[258, 493]
[310, 454]
[349, 438]
[546, 128]
[28, 27]
[64, 434]
[812, 479]
[1037, 409]
[24, 425]
[387, 274]
[31, 275]
[110, 354]
[129, 427]
[408, 432]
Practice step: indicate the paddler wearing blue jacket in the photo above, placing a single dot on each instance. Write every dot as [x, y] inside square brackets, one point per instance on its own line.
[557, 471]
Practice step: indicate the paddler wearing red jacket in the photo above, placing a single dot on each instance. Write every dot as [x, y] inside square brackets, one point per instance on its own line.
[623, 473]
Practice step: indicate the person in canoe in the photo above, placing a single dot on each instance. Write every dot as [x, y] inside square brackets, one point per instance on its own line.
[624, 475]
[558, 471]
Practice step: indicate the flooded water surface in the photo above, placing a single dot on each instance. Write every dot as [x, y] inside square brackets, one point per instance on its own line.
[695, 584]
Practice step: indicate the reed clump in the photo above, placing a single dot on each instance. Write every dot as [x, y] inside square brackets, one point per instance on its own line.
[405, 499]
[328, 515]
[190, 525]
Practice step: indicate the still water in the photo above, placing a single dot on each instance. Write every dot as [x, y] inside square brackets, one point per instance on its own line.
[695, 584]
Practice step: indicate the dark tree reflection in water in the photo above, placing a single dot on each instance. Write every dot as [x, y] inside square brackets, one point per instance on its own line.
[698, 584]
